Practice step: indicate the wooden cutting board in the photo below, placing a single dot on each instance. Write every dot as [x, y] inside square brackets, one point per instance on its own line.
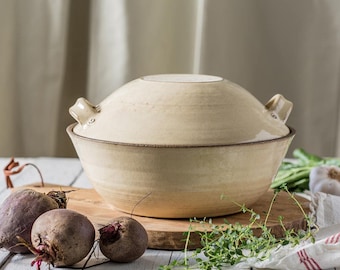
[168, 234]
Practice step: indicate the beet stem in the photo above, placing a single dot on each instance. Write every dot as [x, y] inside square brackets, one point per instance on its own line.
[40, 174]
[110, 233]
[8, 171]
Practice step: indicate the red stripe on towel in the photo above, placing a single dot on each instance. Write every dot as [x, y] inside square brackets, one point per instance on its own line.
[308, 262]
[333, 239]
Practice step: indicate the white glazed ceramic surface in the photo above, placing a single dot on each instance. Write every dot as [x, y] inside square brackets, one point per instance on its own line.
[171, 146]
[180, 182]
[182, 109]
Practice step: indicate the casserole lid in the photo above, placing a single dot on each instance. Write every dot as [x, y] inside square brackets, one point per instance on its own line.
[181, 110]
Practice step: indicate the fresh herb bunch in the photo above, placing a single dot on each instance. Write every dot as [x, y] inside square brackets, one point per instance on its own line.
[294, 174]
[230, 244]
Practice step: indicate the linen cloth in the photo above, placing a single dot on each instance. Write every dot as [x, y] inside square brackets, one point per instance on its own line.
[323, 254]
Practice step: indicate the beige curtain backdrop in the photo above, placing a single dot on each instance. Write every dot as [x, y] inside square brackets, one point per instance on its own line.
[54, 51]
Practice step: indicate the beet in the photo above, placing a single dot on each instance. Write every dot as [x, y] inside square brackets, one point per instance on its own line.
[17, 214]
[61, 237]
[123, 240]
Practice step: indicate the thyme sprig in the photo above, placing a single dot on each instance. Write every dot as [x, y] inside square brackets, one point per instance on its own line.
[229, 244]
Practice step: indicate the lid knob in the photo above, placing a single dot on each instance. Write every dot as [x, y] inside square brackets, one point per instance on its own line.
[280, 107]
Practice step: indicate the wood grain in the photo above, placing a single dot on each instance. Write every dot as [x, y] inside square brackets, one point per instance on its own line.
[168, 234]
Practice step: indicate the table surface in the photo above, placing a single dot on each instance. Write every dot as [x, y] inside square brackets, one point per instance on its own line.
[67, 172]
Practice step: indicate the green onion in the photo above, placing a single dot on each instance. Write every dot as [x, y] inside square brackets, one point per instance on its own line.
[295, 174]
